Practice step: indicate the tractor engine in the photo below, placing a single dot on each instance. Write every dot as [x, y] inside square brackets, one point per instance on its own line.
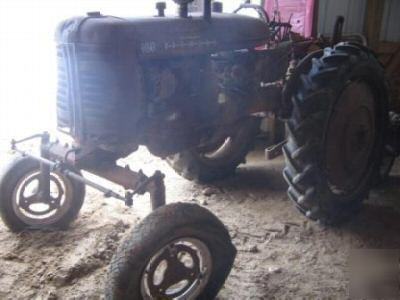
[145, 81]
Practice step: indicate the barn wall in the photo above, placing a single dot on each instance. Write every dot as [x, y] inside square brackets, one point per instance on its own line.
[388, 45]
[352, 10]
[390, 30]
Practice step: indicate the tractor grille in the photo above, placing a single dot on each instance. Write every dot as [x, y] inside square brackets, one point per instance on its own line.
[90, 91]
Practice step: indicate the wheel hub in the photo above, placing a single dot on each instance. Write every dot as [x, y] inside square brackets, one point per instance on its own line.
[178, 271]
[36, 209]
[35, 199]
[358, 140]
[350, 137]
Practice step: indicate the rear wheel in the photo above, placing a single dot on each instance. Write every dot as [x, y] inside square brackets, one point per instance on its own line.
[217, 161]
[336, 133]
[179, 251]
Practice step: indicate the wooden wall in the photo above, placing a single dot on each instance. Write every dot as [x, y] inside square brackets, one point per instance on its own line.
[376, 30]
[389, 55]
[378, 20]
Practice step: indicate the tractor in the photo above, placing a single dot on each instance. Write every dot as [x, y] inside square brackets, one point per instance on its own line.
[193, 89]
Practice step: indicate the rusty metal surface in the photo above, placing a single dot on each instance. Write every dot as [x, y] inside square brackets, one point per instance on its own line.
[109, 96]
[162, 82]
[55, 157]
[121, 176]
[138, 182]
[168, 36]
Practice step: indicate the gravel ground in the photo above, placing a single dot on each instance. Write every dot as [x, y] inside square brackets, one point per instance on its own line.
[281, 255]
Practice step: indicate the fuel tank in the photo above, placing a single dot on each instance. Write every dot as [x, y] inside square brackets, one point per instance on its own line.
[161, 37]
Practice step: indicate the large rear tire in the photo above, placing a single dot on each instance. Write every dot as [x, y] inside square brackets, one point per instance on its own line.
[179, 251]
[221, 161]
[336, 133]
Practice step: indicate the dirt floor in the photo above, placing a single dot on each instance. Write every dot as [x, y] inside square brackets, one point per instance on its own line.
[281, 255]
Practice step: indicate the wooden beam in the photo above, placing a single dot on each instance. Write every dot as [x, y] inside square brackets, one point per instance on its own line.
[373, 22]
[394, 64]
[388, 47]
[314, 29]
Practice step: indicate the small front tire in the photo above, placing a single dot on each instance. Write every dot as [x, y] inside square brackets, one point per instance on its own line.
[20, 209]
[187, 244]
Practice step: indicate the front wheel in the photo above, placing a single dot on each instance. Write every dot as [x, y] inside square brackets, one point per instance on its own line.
[22, 208]
[179, 251]
[336, 133]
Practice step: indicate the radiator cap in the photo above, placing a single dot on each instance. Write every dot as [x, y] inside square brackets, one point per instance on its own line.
[94, 14]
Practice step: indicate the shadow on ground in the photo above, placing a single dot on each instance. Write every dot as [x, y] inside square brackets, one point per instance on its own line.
[378, 225]
[255, 178]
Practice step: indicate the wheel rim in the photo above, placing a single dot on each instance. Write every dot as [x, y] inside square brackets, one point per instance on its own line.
[350, 138]
[180, 270]
[217, 150]
[33, 209]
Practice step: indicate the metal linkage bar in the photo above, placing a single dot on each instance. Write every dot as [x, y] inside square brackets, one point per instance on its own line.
[54, 157]
[15, 142]
[138, 182]
[57, 166]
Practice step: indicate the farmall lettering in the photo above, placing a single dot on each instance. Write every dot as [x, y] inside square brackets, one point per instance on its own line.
[182, 44]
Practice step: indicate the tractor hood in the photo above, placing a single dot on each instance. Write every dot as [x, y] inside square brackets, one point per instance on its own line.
[161, 37]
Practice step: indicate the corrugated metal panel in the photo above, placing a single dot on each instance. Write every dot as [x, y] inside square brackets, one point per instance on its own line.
[352, 10]
[390, 30]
